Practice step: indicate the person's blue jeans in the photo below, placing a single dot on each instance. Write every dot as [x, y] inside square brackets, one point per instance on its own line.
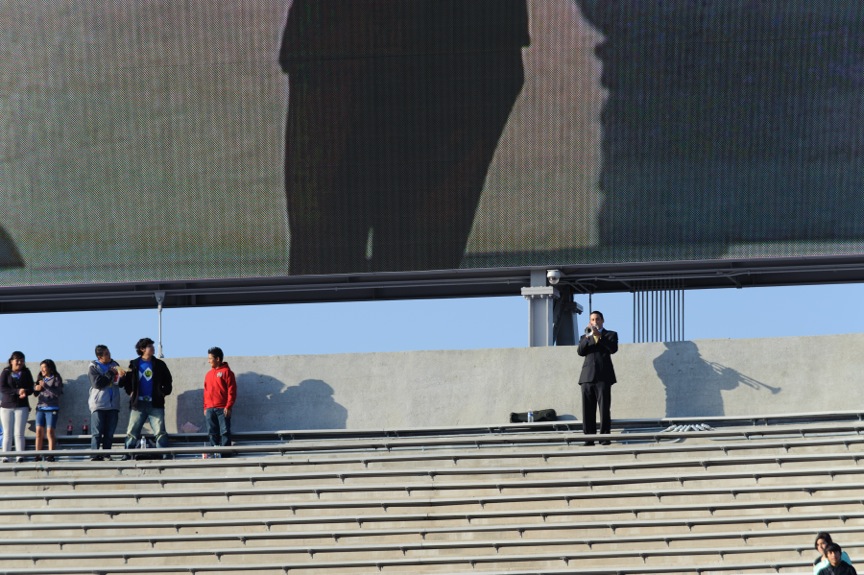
[218, 427]
[155, 416]
[103, 424]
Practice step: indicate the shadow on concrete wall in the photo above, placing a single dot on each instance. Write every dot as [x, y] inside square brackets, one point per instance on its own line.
[265, 403]
[73, 405]
[693, 384]
[74, 408]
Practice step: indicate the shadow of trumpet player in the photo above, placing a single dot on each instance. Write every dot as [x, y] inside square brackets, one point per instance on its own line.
[694, 384]
[728, 372]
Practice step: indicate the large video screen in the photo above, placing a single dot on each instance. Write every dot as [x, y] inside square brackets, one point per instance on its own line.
[165, 140]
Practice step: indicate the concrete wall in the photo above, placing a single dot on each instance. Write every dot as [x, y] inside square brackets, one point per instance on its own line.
[435, 388]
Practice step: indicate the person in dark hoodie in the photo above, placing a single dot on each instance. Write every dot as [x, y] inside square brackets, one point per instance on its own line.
[823, 541]
[220, 393]
[395, 111]
[836, 564]
[16, 384]
[104, 401]
[147, 382]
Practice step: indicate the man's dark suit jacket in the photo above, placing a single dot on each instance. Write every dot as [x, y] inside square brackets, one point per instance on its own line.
[597, 366]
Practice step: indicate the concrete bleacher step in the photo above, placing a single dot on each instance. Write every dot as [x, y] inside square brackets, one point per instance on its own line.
[202, 502]
[544, 444]
[498, 537]
[685, 467]
[774, 567]
[736, 500]
[522, 560]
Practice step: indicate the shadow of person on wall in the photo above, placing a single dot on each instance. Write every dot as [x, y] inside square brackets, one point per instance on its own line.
[693, 384]
[265, 403]
[75, 410]
[73, 405]
[311, 406]
[190, 412]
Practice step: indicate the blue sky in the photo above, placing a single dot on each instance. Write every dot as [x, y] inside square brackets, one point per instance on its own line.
[416, 325]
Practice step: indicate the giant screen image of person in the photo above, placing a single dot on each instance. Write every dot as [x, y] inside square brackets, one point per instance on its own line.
[731, 122]
[10, 257]
[395, 110]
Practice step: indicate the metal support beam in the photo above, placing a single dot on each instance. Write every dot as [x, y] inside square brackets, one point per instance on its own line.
[541, 300]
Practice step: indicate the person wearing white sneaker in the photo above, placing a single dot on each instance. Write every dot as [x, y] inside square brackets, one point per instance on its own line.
[16, 384]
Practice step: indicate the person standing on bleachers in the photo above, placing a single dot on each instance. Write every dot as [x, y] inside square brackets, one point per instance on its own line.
[147, 382]
[823, 540]
[104, 400]
[16, 384]
[48, 388]
[220, 393]
[598, 375]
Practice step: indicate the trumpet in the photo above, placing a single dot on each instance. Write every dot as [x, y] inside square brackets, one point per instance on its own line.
[589, 330]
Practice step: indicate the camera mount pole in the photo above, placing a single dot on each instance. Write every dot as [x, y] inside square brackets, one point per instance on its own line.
[541, 300]
[160, 298]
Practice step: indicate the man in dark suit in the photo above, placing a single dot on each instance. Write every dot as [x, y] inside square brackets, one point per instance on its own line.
[395, 111]
[598, 375]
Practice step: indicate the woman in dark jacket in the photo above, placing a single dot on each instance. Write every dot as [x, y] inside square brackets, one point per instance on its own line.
[16, 383]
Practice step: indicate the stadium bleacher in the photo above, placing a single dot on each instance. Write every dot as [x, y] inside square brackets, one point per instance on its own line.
[742, 495]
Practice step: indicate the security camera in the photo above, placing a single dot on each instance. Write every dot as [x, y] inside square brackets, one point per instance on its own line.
[554, 276]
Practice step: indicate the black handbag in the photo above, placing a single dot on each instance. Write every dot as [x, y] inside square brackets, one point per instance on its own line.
[538, 415]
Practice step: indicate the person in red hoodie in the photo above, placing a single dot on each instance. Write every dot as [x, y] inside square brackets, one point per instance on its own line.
[220, 393]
